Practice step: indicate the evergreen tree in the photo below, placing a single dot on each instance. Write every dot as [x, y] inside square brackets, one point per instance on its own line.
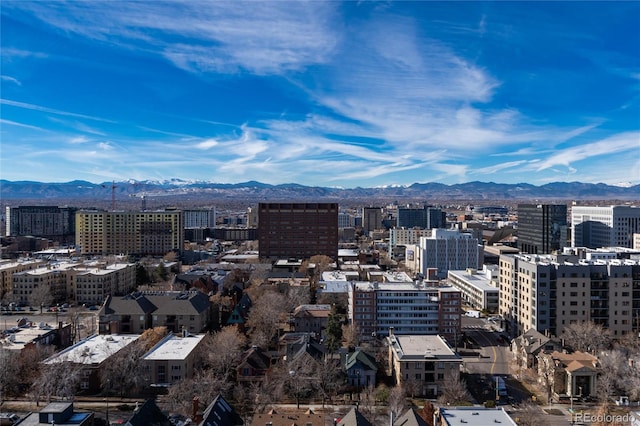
[333, 331]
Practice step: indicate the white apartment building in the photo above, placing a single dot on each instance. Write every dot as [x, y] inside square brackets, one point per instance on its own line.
[611, 226]
[410, 308]
[447, 249]
[199, 218]
[172, 359]
[549, 292]
[478, 288]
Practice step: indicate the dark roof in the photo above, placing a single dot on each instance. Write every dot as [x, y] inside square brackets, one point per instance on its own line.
[297, 349]
[132, 304]
[188, 303]
[256, 358]
[410, 418]
[354, 418]
[362, 359]
[149, 414]
[220, 413]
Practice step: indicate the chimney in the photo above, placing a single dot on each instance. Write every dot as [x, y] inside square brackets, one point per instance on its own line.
[197, 418]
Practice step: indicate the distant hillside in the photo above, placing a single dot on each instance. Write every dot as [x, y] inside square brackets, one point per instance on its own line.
[256, 191]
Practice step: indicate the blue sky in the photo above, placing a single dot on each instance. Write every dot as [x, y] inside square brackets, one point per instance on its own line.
[321, 93]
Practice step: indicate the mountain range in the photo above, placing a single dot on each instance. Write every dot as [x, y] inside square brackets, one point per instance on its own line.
[257, 191]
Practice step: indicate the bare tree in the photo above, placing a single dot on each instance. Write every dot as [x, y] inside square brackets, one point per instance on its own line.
[528, 414]
[397, 401]
[123, 373]
[454, 389]
[586, 336]
[204, 385]
[41, 296]
[328, 377]
[223, 350]
[265, 317]
[351, 334]
[59, 379]
[546, 374]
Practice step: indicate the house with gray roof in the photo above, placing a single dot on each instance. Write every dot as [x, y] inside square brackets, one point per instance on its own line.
[361, 369]
[136, 312]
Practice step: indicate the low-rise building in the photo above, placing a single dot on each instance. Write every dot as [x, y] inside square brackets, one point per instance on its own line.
[477, 288]
[59, 414]
[422, 362]
[91, 355]
[311, 318]
[136, 312]
[455, 416]
[172, 359]
[569, 374]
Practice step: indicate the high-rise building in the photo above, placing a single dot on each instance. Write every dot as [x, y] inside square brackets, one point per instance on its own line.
[55, 223]
[345, 220]
[199, 218]
[371, 219]
[542, 228]
[297, 230]
[550, 292]
[427, 218]
[448, 249]
[611, 226]
[138, 232]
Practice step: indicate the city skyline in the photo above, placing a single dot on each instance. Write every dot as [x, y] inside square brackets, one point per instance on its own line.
[336, 94]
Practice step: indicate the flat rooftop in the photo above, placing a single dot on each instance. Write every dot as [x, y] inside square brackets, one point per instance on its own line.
[174, 348]
[94, 349]
[416, 347]
[475, 416]
[481, 282]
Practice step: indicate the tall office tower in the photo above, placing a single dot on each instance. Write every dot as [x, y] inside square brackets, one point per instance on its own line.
[252, 217]
[371, 219]
[55, 223]
[448, 249]
[542, 228]
[139, 233]
[549, 292]
[426, 218]
[297, 230]
[199, 218]
[611, 226]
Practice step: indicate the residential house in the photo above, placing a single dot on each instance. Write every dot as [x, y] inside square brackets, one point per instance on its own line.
[220, 413]
[173, 358]
[361, 369]
[528, 346]
[311, 318]
[410, 418]
[148, 414]
[353, 418]
[254, 366]
[59, 414]
[240, 312]
[308, 418]
[569, 374]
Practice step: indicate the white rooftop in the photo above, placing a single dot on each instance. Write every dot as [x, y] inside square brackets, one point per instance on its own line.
[479, 281]
[174, 348]
[420, 347]
[94, 349]
[475, 416]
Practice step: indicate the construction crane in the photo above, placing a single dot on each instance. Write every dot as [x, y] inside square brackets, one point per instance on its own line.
[113, 194]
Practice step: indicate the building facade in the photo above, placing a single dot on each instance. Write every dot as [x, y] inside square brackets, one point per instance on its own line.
[55, 223]
[172, 359]
[421, 308]
[200, 218]
[427, 217]
[422, 362]
[448, 249]
[550, 292]
[298, 230]
[8, 268]
[611, 226]
[137, 233]
[371, 219]
[542, 228]
[478, 288]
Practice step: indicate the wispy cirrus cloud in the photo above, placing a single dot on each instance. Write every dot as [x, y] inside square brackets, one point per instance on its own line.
[40, 108]
[11, 80]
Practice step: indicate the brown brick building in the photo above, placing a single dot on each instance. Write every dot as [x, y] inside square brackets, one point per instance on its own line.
[298, 230]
